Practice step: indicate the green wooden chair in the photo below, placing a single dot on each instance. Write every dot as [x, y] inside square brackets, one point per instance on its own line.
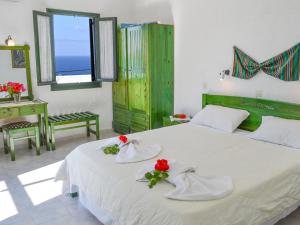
[10, 135]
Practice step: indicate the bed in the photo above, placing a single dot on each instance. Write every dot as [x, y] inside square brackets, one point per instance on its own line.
[266, 176]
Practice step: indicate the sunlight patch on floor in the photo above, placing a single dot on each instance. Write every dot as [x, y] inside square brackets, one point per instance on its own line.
[43, 191]
[39, 184]
[40, 174]
[7, 205]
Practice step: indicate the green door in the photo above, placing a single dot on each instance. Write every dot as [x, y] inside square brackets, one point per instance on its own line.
[138, 95]
[121, 122]
[120, 97]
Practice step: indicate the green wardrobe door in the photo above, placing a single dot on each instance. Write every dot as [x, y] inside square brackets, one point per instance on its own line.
[120, 87]
[138, 83]
[161, 69]
[121, 121]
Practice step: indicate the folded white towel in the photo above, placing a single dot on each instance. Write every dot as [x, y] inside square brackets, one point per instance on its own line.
[133, 150]
[136, 152]
[193, 187]
[190, 186]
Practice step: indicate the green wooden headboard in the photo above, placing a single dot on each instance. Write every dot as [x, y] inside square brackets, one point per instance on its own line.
[256, 107]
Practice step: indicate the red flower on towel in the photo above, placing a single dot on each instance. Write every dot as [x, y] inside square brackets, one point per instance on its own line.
[180, 116]
[123, 139]
[159, 174]
[162, 165]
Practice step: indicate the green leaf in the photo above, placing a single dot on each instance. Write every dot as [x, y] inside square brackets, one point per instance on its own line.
[153, 181]
[148, 176]
[156, 173]
[164, 175]
[112, 149]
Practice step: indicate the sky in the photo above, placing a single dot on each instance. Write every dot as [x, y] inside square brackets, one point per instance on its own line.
[71, 35]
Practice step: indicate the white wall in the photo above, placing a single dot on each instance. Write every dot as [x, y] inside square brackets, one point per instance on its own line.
[16, 20]
[206, 31]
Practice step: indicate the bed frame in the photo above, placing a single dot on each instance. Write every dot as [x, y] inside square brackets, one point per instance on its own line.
[256, 107]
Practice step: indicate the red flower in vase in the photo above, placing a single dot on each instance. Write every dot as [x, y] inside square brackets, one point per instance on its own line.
[3, 88]
[12, 87]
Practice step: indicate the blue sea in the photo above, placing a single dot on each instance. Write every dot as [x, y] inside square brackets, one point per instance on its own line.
[73, 65]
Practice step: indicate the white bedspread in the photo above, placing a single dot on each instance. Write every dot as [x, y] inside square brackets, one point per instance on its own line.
[266, 179]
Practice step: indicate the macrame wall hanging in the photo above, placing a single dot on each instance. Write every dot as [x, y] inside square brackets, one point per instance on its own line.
[285, 66]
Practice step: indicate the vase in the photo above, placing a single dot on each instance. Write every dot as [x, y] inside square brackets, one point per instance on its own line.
[17, 97]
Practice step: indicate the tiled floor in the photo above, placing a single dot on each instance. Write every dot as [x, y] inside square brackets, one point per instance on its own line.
[29, 196]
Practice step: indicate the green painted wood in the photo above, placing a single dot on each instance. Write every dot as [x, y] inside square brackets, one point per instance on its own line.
[114, 22]
[120, 90]
[146, 63]
[138, 77]
[121, 128]
[38, 108]
[56, 123]
[256, 107]
[12, 133]
[121, 113]
[26, 49]
[37, 46]
[161, 69]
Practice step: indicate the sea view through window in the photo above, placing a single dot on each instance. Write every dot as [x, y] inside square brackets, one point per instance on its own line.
[72, 49]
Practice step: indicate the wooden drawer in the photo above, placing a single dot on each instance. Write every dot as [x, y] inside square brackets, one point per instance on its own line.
[135, 127]
[121, 115]
[140, 118]
[139, 122]
[31, 109]
[121, 128]
[9, 112]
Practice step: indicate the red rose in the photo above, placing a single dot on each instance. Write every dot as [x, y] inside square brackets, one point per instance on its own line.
[123, 139]
[162, 165]
[17, 88]
[4, 88]
[182, 116]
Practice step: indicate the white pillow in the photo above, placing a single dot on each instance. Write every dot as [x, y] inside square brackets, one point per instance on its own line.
[279, 131]
[221, 118]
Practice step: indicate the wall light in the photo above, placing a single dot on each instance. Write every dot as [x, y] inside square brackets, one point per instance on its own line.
[9, 41]
[223, 74]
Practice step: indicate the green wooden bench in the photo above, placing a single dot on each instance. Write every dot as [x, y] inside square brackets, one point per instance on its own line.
[10, 132]
[57, 123]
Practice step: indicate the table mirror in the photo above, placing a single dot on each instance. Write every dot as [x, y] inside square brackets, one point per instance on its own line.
[15, 67]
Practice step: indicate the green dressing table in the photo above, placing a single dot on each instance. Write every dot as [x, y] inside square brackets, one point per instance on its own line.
[15, 67]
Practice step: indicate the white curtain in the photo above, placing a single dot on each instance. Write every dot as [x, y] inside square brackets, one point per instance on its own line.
[45, 47]
[106, 49]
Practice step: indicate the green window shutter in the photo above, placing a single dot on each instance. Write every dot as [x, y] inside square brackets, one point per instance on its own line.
[107, 52]
[43, 47]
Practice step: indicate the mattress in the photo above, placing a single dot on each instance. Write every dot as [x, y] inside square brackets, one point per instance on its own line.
[266, 179]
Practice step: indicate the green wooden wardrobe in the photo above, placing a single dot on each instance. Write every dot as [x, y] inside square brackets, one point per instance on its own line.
[143, 94]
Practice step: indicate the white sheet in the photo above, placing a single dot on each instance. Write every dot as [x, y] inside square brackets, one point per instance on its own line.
[266, 179]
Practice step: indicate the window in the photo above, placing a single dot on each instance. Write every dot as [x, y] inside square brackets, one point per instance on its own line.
[74, 49]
